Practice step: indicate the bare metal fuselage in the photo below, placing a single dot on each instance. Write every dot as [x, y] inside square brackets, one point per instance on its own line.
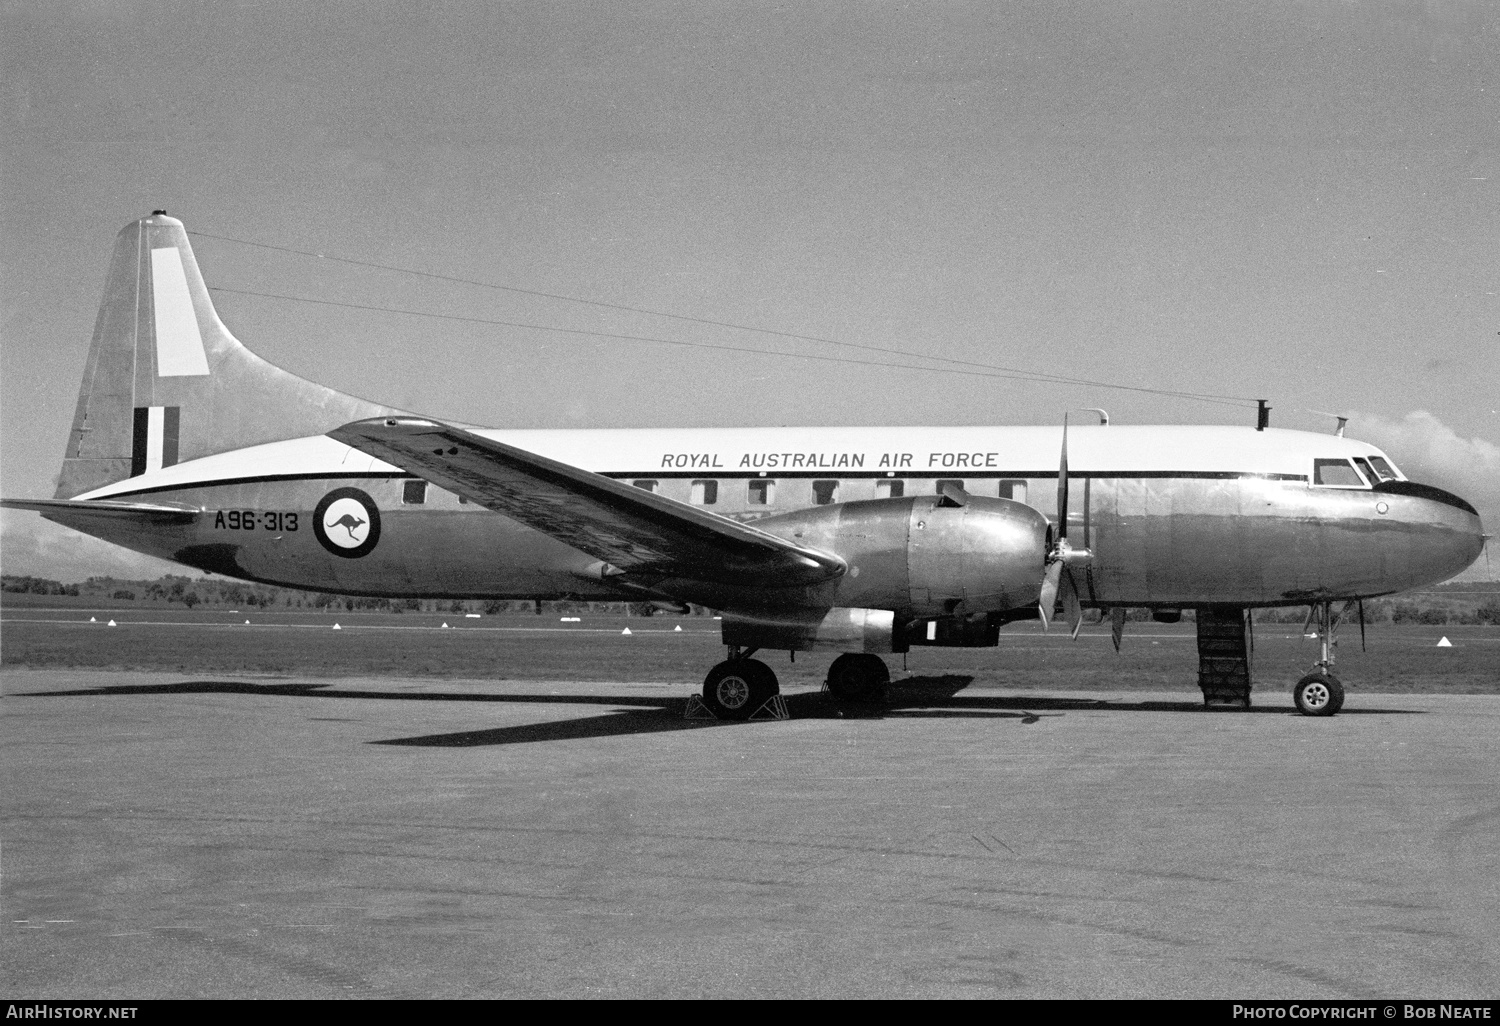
[1159, 539]
[268, 477]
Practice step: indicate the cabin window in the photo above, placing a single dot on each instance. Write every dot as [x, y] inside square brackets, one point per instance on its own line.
[462, 501]
[825, 492]
[937, 485]
[1013, 490]
[762, 493]
[1336, 474]
[890, 488]
[705, 493]
[414, 493]
[1383, 468]
[645, 486]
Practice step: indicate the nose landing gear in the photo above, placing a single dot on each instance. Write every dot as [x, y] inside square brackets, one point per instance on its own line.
[1320, 693]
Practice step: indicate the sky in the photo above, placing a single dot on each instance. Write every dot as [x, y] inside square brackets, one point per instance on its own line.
[1298, 202]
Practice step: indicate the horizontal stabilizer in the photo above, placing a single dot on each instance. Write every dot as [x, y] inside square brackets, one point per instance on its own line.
[633, 530]
[151, 512]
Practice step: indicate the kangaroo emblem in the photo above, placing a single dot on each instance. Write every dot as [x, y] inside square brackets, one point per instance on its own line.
[348, 522]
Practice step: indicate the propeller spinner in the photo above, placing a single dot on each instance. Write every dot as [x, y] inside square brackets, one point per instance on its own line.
[1057, 577]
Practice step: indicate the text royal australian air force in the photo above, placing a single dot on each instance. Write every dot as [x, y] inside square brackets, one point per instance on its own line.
[917, 452]
[826, 460]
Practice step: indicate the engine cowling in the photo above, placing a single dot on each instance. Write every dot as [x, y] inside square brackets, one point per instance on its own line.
[927, 555]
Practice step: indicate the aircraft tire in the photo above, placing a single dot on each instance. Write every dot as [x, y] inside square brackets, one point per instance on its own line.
[858, 677]
[1318, 694]
[1338, 693]
[735, 688]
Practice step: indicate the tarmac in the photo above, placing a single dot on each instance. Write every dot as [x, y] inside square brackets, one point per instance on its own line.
[168, 835]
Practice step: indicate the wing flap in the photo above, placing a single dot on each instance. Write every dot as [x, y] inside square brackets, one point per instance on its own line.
[633, 530]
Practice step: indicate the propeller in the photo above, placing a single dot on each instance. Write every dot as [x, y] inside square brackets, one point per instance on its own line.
[1057, 577]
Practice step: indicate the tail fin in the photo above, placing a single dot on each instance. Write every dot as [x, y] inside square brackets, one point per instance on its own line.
[166, 382]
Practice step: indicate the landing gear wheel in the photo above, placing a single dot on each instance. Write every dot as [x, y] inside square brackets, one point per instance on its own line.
[735, 688]
[1319, 694]
[858, 678]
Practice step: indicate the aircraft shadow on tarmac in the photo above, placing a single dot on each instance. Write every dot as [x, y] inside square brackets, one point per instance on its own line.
[912, 697]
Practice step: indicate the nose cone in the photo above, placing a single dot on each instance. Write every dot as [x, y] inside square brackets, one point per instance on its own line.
[1441, 531]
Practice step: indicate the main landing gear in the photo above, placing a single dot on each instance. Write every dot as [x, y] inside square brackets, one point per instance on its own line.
[1320, 693]
[739, 686]
[858, 677]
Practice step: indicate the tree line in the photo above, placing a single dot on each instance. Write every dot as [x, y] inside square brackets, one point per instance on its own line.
[1475, 602]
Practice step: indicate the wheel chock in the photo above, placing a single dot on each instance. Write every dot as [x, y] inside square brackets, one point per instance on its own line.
[696, 710]
[773, 708]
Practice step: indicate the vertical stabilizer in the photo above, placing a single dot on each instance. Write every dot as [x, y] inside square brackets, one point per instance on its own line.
[166, 382]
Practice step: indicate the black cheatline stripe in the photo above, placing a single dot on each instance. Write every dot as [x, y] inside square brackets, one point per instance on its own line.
[265, 479]
[1422, 491]
[957, 473]
[1221, 475]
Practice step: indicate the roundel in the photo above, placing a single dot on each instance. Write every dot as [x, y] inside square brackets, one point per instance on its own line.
[347, 522]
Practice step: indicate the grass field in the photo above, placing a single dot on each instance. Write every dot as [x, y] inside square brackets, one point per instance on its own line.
[522, 647]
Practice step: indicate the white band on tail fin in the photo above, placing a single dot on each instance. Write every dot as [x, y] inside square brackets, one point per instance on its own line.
[179, 345]
[166, 382]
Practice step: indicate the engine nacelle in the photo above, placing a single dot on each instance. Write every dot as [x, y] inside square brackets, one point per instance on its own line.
[840, 629]
[927, 555]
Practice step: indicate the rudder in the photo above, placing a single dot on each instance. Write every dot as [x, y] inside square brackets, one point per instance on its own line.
[167, 382]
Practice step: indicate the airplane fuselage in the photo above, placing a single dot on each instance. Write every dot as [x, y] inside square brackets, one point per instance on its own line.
[1175, 516]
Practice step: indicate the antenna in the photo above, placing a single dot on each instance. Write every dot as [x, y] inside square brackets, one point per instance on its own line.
[1343, 420]
[1262, 414]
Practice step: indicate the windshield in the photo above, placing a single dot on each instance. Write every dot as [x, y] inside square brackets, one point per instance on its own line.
[1336, 474]
[1367, 470]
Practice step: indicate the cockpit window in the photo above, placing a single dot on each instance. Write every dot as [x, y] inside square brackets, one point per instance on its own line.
[1383, 468]
[1367, 470]
[1336, 474]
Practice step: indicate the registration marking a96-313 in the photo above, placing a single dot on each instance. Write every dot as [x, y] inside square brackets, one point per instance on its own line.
[249, 520]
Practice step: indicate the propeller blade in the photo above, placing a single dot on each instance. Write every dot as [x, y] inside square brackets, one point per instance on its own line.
[1062, 485]
[1117, 625]
[1048, 599]
[1072, 611]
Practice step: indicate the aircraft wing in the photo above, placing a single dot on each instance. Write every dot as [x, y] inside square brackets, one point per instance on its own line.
[633, 531]
[149, 512]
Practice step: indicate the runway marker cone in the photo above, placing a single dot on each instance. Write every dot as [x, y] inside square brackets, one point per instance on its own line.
[1444, 643]
[337, 627]
[113, 624]
[625, 631]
